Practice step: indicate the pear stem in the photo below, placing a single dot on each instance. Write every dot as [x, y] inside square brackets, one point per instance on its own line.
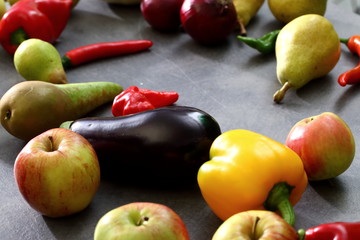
[279, 95]
[301, 233]
[243, 31]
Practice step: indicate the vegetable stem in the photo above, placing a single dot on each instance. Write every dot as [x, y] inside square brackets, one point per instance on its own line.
[278, 200]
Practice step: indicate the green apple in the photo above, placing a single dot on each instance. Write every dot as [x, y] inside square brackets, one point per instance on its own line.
[325, 144]
[141, 221]
[57, 172]
[255, 224]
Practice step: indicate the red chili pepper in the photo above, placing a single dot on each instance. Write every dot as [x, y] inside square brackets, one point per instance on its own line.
[353, 44]
[96, 51]
[334, 231]
[42, 19]
[134, 100]
[351, 76]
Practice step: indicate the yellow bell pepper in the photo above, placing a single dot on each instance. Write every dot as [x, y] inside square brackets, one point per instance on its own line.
[249, 171]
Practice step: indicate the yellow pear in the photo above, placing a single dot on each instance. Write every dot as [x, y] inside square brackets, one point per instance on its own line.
[306, 48]
[36, 59]
[287, 10]
[246, 10]
[2, 8]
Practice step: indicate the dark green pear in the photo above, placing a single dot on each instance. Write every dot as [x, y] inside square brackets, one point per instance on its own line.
[32, 107]
[36, 59]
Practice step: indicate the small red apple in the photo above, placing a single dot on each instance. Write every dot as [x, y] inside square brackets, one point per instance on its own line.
[255, 224]
[141, 221]
[57, 172]
[325, 144]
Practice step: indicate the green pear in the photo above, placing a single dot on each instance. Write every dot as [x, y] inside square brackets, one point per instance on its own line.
[32, 107]
[36, 59]
[246, 10]
[306, 48]
[287, 10]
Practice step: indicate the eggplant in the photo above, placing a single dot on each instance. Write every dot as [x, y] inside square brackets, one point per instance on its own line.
[165, 145]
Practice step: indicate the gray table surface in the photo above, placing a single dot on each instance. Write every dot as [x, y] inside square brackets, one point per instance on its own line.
[232, 82]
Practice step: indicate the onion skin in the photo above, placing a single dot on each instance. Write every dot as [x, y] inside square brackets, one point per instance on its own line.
[208, 21]
[162, 15]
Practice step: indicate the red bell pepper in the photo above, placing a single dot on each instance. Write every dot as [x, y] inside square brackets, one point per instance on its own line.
[334, 231]
[42, 19]
[134, 100]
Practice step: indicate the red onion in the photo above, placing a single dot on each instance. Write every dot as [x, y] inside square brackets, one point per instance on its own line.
[163, 15]
[208, 21]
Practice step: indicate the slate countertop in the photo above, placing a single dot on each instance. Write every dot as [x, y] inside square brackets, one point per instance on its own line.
[232, 82]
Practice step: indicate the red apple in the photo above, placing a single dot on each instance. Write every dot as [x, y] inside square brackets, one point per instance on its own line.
[255, 224]
[57, 172]
[325, 144]
[141, 221]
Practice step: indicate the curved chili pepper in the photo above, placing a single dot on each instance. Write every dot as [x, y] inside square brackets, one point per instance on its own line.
[334, 231]
[264, 44]
[351, 76]
[135, 100]
[95, 51]
[42, 19]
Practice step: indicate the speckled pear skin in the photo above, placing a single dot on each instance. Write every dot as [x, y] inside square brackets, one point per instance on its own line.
[32, 107]
[36, 59]
[306, 48]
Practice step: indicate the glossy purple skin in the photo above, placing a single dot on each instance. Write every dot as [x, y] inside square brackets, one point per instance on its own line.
[165, 144]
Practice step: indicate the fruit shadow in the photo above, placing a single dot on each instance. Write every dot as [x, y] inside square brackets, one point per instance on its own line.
[327, 188]
[79, 225]
[126, 12]
[212, 52]
[9, 154]
[314, 89]
[347, 97]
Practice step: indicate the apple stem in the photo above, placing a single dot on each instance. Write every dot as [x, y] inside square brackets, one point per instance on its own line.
[253, 233]
[51, 143]
[142, 220]
[278, 200]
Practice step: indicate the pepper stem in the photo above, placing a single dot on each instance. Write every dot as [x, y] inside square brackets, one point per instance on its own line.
[66, 62]
[278, 200]
[344, 40]
[18, 36]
